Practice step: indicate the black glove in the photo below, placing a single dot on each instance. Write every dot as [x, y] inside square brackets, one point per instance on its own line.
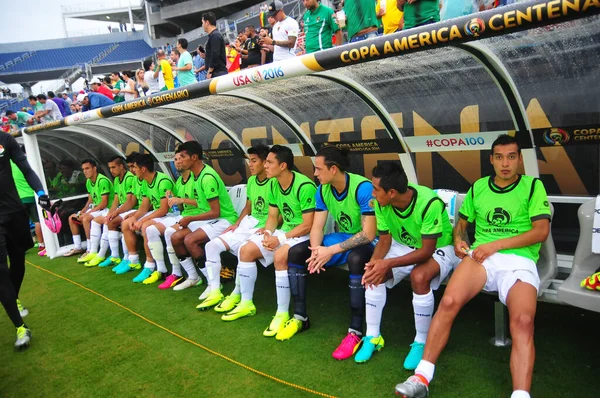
[44, 202]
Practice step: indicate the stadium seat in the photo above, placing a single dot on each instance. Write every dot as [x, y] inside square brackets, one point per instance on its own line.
[238, 197]
[451, 199]
[585, 263]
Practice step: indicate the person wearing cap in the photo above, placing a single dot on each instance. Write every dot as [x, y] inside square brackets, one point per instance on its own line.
[92, 100]
[285, 33]
[97, 87]
[319, 27]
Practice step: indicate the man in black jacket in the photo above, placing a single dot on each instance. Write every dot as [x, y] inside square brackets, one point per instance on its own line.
[15, 238]
[216, 62]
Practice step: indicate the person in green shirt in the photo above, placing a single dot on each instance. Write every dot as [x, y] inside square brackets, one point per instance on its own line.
[419, 12]
[100, 196]
[101, 226]
[512, 215]
[215, 216]
[293, 198]
[362, 19]
[319, 27]
[185, 65]
[117, 85]
[253, 217]
[19, 119]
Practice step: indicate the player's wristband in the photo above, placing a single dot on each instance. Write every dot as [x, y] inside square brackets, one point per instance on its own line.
[282, 239]
[40, 193]
[267, 232]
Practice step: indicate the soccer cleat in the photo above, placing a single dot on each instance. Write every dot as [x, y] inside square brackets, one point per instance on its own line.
[369, 346]
[171, 281]
[22, 310]
[110, 261]
[142, 276]
[94, 262]
[122, 267]
[415, 386]
[277, 324]
[153, 278]
[347, 347]
[214, 298]
[414, 356]
[73, 252]
[592, 282]
[85, 257]
[42, 252]
[292, 327]
[207, 291]
[243, 309]
[227, 275]
[229, 303]
[23, 337]
[186, 284]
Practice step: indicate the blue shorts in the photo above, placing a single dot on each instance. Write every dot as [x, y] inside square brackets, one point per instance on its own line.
[334, 239]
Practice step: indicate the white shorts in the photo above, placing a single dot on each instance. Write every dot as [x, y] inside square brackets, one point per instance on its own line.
[126, 213]
[99, 213]
[212, 228]
[235, 239]
[169, 220]
[444, 256]
[504, 270]
[268, 255]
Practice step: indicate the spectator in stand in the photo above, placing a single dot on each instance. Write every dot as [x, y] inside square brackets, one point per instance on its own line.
[233, 58]
[301, 42]
[50, 111]
[89, 101]
[169, 49]
[240, 47]
[64, 110]
[200, 64]
[251, 48]
[319, 27]
[140, 83]
[215, 47]
[36, 105]
[184, 67]
[174, 59]
[419, 12]
[266, 51]
[19, 119]
[361, 19]
[97, 87]
[106, 82]
[128, 89]
[391, 17]
[152, 77]
[164, 67]
[117, 84]
[285, 33]
[68, 100]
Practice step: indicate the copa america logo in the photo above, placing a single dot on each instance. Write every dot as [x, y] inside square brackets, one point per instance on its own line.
[475, 27]
[556, 136]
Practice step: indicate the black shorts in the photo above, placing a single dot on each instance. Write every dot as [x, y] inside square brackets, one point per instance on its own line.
[14, 234]
[31, 210]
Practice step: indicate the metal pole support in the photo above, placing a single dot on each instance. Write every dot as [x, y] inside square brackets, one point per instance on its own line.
[501, 338]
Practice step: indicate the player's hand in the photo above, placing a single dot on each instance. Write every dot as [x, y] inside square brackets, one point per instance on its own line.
[481, 253]
[319, 257]
[137, 225]
[375, 273]
[184, 222]
[174, 201]
[128, 216]
[270, 242]
[44, 202]
[108, 218]
[461, 249]
[231, 228]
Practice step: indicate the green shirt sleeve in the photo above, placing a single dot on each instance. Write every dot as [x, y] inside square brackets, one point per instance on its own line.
[210, 187]
[539, 207]
[104, 187]
[164, 186]
[467, 212]
[128, 186]
[382, 225]
[432, 226]
[306, 195]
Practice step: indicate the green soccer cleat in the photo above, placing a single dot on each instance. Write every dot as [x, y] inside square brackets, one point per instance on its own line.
[277, 324]
[94, 262]
[153, 278]
[229, 303]
[142, 276]
[23, 338]
[369, 346]
[110, 261]
[243, 309]
[292, 327]
[214, 298]
[22, 310]
[86, 257]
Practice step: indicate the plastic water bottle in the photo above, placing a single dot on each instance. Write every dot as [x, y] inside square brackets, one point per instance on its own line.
[175, 208]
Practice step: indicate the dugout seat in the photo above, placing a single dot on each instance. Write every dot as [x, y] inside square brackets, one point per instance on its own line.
[238, 197]
[585, 263]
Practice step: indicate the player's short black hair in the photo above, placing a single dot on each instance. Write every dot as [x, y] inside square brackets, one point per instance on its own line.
[32, 97]
[505, 139]
[9, 112]
[210, 18]
[118, 160]
[92, 162]
[183, 43]
[260, 150]
[131, 157]
[147, 63]
[335, 156]
[144, 160]
[391, 176]
[283, 154]
[191, 148]
[41, 96]
[51, 94]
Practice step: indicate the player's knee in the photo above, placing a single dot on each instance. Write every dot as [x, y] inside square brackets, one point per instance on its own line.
[297, 255]
[177, 238]
[356, 263]
[419, 279]
[522, 323]
[280, 259]
[246, 253]
[449, 305]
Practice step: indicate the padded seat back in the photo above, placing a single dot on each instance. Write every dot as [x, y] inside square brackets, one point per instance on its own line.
[238, 197]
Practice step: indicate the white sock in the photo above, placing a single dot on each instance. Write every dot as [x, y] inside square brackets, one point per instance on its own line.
[134, 258]
[425, 369]
[375, 301]
[151, 265]
[213, 250]
[113, 242]
[282, 285]
[520, 394]
[247, 272]
[236, 289]
[205, 272]
[88, 244]
[156, 247]
[95, 233]
[124, 246]
[190, 268]
[423, 307]
[171, 252]
[77, 241]
[103, 242]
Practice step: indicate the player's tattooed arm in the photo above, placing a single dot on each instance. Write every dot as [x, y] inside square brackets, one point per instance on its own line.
[460, 231]
[363, 237]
